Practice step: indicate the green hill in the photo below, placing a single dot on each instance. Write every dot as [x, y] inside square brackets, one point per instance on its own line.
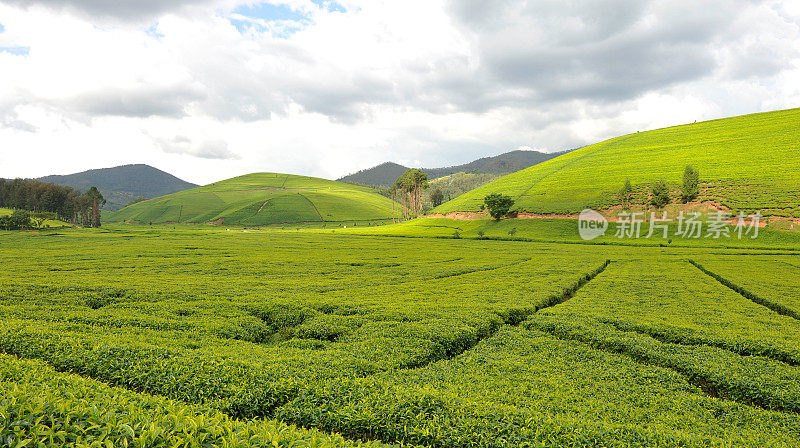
[749, 162]
[262, 199]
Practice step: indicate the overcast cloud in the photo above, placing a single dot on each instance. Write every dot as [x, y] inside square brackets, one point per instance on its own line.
[208, 89]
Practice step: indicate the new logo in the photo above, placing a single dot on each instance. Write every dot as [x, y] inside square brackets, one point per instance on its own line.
[591, 224]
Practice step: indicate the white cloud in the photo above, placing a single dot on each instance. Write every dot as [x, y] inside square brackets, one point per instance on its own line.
[432, 83]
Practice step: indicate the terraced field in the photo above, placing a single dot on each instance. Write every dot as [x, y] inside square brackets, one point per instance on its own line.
[139, 336]
[749, 162]
[262, 199]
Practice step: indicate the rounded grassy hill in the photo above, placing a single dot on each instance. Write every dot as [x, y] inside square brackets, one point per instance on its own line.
[262, 199]
[749, 162]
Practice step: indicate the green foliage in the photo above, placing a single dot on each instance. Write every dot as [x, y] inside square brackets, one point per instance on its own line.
[262, 199]
[122, 184]
[691, 184]
[18, 220]
[437, 197]
[731, 153]
[48, 222]
[456, 184]
[626, 192]
[223, 335]
[136, 200]
[41, 407]
[659, 193]
[498, 204]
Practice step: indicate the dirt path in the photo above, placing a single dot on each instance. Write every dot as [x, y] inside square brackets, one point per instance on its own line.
[611, 214]
[313, 206]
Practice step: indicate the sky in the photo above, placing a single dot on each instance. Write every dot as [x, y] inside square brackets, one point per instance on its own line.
[211, 89]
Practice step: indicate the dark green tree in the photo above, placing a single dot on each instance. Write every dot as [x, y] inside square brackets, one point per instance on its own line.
[97, 200]
[691, 184]
[625, 193]
[498, 204]
[437, 197]
[659, 193]
[19, 220]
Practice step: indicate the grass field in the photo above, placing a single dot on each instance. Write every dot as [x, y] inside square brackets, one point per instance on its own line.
[566, 230]
[748, 162]
[140, 336]
[262, 199]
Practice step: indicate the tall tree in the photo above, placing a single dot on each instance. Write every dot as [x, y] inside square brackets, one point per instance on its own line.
[411, 184]
[96, 199]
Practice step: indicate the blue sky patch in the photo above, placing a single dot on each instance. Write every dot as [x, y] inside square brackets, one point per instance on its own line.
[280, 20]
[18, 51]
[330, 5]
[2, 28]
[152, 31]
[270, 12]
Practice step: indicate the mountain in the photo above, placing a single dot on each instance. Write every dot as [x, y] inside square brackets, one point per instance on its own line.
[262, 199]
[122, 184]
[749, 162]
[386, 173]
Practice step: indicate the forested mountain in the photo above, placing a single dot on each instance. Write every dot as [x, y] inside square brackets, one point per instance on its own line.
[386, 173]
[122, 184]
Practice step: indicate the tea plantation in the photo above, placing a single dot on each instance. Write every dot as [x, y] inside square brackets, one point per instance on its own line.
[198, 336]
[261, 199]
[748, 162]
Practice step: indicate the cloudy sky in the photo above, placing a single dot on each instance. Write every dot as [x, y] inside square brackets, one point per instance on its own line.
[210, 89]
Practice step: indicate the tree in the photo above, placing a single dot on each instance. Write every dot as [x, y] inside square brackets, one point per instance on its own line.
[437, 197]
[35, 196]
[659, 193]
[410, 185]
[19, 220]
[626, 193]
[498, 204]
[96, 199]
[691, 184]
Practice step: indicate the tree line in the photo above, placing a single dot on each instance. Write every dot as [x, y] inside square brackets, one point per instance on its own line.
[407, 191]
[66, 203]
[660, 191]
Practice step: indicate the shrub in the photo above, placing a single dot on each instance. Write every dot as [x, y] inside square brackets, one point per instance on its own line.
[691, 184]
[659, 193]
[626, 192]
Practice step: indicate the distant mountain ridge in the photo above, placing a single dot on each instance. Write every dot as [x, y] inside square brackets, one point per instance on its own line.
[122, 184]
[386, 173]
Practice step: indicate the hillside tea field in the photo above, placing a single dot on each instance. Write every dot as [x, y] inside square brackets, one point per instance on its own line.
[262, 199]
[194, 337]
[730, 154]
